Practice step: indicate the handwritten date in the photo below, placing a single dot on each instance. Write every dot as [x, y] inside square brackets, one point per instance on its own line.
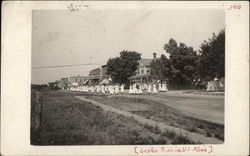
[234, 7]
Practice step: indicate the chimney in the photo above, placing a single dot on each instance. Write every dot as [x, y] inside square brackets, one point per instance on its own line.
[154, 56]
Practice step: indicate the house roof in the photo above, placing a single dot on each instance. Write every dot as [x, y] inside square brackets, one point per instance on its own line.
[103, 66]
[95, 70]
[82, 77]
[146, 62]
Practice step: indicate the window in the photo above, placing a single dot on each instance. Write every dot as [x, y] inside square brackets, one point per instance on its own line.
[142, 71]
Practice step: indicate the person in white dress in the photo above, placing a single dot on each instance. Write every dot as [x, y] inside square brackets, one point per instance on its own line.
[145, 86]
[102, 88]
[109, 88]
[140, 89]
[122, 88]
[130, 89]
[160, 87]
[165, 89]
[111, 91]
[92, 89]
[212, 86]
[149, 88]
[154, 89]
[209, 86]
[221, 85]
[134, 89]
[106, 88]
[97, 88]
[216, 84]
[116, 89]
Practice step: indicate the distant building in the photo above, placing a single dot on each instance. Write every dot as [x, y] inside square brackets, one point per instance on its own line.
[77, 80]
[104, 74]
[143, 71]
[97, 75]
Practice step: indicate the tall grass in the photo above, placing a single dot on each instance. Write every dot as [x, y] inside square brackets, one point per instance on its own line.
[69, 121]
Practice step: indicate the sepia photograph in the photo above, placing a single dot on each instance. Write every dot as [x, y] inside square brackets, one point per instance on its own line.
[127, 76]
[124, 78]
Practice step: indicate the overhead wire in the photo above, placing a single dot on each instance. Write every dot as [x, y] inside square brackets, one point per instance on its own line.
[61, 66]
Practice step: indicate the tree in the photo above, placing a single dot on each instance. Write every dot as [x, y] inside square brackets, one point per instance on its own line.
[161, 69]
[184, 61]
[123, 67]
[211, 61]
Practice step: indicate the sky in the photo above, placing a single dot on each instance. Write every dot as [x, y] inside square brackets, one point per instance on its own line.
[61, 37]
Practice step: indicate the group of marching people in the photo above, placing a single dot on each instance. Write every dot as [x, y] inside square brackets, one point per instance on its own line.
[215, 85]
[153, 88]
[104, 89]
[114, 89]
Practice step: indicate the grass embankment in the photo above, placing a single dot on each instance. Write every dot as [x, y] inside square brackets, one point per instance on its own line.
[69, 121]
[162, 113]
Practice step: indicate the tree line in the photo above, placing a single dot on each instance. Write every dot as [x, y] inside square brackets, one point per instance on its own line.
[183, 65]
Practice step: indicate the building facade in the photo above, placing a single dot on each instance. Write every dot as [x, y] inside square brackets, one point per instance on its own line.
[77, 80]
[143, 71]
[97, 75]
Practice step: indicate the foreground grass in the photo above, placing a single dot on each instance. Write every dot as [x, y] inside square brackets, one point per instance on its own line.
[69, 121]
[162, 113]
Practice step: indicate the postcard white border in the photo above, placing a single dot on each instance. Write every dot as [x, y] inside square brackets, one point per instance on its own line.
[16, 76]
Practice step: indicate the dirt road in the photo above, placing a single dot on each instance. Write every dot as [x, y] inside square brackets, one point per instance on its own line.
[210, 108]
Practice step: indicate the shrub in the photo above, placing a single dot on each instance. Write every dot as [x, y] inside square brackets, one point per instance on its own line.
[209, 134]
[182, 140]
[157, 130]
[193, 129]
[149, 127]
[219, 136]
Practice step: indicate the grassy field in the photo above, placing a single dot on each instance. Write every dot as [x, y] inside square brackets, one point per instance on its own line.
[159, 112]
[65, 120]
